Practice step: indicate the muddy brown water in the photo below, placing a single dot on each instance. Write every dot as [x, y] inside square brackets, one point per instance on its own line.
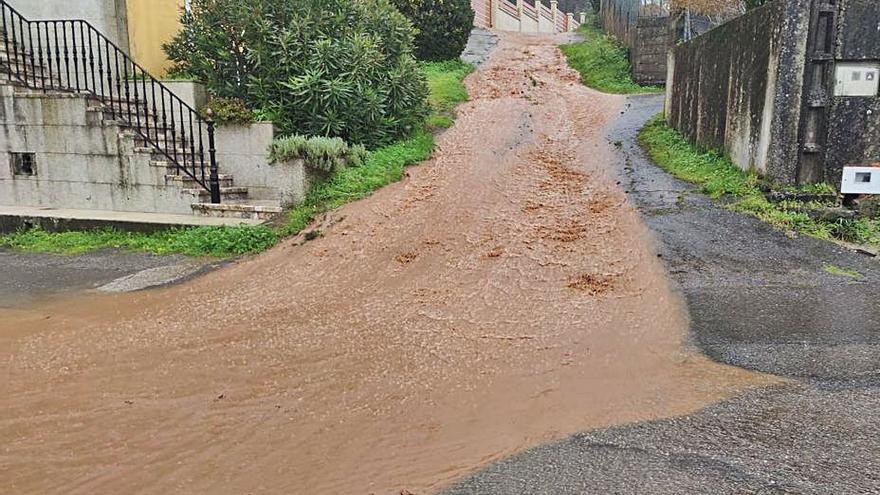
[503, 295]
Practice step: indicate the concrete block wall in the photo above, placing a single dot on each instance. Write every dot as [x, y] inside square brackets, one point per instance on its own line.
[651, 42]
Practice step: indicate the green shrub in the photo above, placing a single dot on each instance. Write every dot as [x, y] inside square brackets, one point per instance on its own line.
[443, 26]
[229, 111]
[320, 153]
[339, 68]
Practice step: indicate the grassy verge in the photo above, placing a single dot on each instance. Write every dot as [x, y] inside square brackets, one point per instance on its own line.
[447, 91]
[603, 64]
[381, 167]
[720, 178]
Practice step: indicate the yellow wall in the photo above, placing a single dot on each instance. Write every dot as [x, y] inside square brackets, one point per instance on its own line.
[151, 23]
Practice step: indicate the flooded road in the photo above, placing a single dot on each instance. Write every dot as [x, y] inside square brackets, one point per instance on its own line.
[504, 295]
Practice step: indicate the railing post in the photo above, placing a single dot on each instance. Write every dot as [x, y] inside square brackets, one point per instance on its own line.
[554, 7]
[214, 180]
[569, 18]
[583, 17]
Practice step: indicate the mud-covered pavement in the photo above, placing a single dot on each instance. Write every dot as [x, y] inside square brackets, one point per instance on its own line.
[758, 298]
[504, 295]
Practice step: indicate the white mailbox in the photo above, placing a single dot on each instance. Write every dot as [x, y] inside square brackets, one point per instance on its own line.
[857, 79]
[861, 180]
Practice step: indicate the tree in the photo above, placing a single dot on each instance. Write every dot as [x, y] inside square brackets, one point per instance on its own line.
[341, 68]
[443, 26]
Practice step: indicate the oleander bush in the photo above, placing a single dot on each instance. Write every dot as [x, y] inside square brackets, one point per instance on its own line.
[335, 68]
[443, 26]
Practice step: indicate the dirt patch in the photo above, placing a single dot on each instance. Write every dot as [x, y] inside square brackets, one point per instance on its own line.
[339, 371]
[593, 284]
[406, 258]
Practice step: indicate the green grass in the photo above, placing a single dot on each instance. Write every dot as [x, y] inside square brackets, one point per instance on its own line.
[381, 167]
[720, 178]
[842, 272]
[602, 63]
[197, 241]
[447, 91]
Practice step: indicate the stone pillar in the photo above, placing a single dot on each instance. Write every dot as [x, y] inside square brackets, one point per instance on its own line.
[583, 17]
[569, 21]
[520, 13]
[554, 7]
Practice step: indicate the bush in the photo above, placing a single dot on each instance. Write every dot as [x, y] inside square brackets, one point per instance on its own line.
[340, 68]
[229, 111]
[444, 26]
[320, 153]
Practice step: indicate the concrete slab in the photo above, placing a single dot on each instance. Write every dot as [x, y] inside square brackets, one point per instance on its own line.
[13, 218]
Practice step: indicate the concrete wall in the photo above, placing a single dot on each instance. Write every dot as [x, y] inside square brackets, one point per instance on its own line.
[243, 151]
[503, 20]
[150, 24]
[506, 17]
[81, 162]
[738, 88]
[108, 16]
[762, 89]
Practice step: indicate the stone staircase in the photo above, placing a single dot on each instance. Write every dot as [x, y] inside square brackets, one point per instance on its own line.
[170, 146]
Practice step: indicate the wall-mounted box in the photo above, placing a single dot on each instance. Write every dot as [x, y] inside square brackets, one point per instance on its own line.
[861, 180]
[854, 79]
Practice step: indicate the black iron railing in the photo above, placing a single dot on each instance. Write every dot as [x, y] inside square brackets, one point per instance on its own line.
[73, 56]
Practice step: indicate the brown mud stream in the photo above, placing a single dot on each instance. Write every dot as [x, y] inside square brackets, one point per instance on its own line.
[502, 296]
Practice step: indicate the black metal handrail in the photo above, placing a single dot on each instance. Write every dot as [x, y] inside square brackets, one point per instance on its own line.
[73, 56]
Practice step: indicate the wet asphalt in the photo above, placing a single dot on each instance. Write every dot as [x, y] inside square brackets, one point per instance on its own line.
[29, 277]
[758, 298]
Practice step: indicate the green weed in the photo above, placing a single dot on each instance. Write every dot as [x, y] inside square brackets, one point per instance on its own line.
[602, 63]
[718, 177]
[842, 272]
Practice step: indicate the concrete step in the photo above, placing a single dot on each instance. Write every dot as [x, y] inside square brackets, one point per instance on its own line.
[20, 58]
[249, 210]
[141, 142]
[227, 194]
[180, 155]
[187, 182]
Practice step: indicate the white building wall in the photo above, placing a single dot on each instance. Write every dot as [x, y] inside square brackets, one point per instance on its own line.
[108, 16]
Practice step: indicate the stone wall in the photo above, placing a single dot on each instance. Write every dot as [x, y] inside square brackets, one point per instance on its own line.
[648, 53]
[738, 88]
